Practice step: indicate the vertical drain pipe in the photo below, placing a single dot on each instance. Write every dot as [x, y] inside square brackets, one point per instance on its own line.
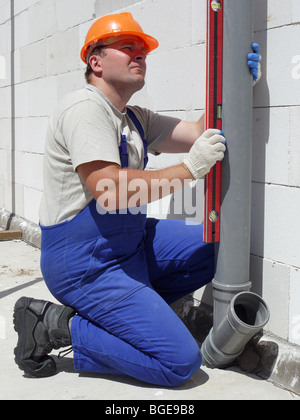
[13, 114]
[238, 313]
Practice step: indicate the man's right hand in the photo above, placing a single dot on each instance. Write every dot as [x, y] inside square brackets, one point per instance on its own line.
[204, 154]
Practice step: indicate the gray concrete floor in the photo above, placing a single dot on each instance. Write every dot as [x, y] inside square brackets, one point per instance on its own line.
[20, 276]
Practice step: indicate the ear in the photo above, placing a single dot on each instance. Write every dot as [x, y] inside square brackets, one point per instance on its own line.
[95, 63]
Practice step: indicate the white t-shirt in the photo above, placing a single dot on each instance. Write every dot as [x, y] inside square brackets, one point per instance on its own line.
[87, 127]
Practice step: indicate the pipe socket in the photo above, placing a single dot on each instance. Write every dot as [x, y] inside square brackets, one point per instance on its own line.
[246, 315]
[223, 295]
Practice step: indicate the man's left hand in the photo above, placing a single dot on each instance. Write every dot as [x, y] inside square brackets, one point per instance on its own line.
[254, 60]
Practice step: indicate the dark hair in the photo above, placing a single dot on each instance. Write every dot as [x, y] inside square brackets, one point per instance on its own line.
[89, 71]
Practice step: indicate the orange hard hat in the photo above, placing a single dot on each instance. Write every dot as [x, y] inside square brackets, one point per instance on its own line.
[118, 25]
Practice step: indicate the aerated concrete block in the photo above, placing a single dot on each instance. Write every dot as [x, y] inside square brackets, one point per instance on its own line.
[275, 232]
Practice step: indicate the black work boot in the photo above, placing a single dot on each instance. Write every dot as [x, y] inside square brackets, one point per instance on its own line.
[41, 326]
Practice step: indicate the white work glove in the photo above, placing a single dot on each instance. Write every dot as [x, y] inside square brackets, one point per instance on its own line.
[204, 154]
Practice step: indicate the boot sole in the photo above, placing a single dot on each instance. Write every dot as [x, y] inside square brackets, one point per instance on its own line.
[24, 324]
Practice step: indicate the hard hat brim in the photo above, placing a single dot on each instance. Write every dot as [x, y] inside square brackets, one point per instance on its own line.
[150, 42]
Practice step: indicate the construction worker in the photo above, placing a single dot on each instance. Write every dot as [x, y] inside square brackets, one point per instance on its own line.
[114, 270]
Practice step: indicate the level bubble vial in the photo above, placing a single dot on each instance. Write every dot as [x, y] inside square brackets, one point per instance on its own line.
[213, 216]
[216, 5]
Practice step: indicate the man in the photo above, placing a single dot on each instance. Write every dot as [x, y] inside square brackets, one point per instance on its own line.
[115, 271]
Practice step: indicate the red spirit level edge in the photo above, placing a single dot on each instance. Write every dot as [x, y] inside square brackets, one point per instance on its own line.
[214, 97]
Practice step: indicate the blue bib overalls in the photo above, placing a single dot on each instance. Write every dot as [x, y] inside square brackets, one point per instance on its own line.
[121, 272]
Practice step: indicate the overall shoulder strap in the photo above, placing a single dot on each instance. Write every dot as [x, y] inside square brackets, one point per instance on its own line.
[140, 129]
[136, 122]
[123, 152]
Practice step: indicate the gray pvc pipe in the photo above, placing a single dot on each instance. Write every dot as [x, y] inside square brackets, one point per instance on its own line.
[231, 331]
[232, 265]
[246, 315]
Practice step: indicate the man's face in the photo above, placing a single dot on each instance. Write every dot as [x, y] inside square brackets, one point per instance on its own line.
[124, 63]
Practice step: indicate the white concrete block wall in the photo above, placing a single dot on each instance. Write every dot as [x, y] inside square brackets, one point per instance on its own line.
[48, 38]
[275, 241]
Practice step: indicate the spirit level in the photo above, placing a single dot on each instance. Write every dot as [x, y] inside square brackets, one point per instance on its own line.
[214, 96]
